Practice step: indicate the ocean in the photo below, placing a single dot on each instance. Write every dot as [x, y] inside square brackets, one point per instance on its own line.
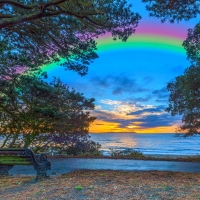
[149, 144]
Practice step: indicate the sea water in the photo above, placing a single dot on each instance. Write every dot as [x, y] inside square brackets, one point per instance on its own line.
[149, 144]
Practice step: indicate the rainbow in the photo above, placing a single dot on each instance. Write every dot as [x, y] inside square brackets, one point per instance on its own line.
[148, 36]
[156, 37]
[142, 42]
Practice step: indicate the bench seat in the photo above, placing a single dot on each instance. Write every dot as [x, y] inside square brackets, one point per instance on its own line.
[19, 156]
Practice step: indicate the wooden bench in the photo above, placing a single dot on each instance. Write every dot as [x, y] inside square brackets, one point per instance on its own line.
[11, 157]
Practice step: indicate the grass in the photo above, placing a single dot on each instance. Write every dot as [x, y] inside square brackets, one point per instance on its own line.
[78, 187]
[91, 185]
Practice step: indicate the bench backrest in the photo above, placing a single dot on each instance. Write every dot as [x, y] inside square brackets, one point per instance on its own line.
[14, 157]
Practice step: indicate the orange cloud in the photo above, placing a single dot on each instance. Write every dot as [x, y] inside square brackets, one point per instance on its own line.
[100, 126]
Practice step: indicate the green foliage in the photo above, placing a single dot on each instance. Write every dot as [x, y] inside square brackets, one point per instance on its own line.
[95, 153]
[184, 100]
[192, 44]
[173, 10]
[18, 182]
[82, 148]
[78, 187]
[126, 153]
[114, 152]
[135, 154]
[101, 174]
[36, 33]
[41, 115]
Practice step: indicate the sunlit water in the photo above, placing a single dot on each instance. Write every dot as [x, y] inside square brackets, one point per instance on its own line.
[148, 144]
[157, 144]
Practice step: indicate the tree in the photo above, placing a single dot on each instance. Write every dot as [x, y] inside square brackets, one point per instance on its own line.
[36, 33]
[177, 10]
[173, 10]
[39, 32]
[184, 96]
[192, 44]
[43, 115]
[184, 100]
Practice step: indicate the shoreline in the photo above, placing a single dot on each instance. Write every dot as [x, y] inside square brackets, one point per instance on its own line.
[107, 152]
[170, 155]
[156, 157]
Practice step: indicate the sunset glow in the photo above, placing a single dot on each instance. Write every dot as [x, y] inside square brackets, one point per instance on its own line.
[100, 126]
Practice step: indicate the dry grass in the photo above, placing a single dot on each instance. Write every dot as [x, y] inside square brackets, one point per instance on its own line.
[107, 185]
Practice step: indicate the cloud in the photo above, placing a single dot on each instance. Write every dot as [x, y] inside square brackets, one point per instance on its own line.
[110, 102]
[149, 121]
[97, 107]
[118, 84]
[104, 115]
[152, 121]
[135, 116]
[112, 117]
[128, 114]
[102, 82]
[148, 79]
[157, 109]
[161, 94]
[161, 101]
[140, 99]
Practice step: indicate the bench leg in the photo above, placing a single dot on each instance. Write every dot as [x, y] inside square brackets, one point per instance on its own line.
[4, 169]
[41, 165]
[41, 172]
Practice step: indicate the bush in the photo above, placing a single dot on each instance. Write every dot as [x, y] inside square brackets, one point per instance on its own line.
[126, 152]
[86, 147]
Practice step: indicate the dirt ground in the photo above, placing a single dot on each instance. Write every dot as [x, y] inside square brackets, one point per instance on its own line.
[104, 184]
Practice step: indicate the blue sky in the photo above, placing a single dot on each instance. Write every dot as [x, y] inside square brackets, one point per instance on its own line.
[129, 85]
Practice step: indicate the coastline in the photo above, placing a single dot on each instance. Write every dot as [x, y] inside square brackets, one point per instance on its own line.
[152, 157]
[107, 154]
[148, 144]
[170, 156]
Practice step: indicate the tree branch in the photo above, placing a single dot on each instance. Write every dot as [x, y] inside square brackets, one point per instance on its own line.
[170, 4]
[44, 11]
[42, 14]
[14, 3]
[6, 16]
[20, 5]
